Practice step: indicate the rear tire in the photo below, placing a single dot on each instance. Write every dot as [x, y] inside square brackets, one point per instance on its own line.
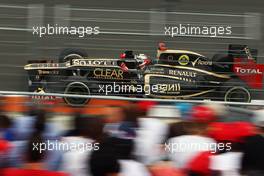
[78, 88]
[71, 53]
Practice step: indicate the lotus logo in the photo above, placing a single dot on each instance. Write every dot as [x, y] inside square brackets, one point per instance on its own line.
[183, 59]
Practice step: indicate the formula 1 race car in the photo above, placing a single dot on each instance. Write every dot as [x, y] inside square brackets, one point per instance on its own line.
[174, 74]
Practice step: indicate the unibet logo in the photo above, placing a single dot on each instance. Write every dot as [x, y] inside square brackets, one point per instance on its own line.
[183, 60]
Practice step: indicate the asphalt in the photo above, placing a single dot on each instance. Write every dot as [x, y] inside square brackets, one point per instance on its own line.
[136, 25]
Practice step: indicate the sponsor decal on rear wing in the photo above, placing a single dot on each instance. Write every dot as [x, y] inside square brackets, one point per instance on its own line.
[95, 62]
[74, 63]
[45, 66]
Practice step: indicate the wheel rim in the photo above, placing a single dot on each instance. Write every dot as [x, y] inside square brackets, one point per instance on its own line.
[77, 88]
[237, 94]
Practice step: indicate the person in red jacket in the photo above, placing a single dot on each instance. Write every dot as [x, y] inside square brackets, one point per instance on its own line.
[5, 147]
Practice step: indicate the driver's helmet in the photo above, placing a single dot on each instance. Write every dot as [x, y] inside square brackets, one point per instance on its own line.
[127, 54]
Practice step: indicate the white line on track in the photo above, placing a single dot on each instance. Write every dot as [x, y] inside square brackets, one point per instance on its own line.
[125, 98]
[132, 11]
[15, 29]
[151, 11]
[14, 6]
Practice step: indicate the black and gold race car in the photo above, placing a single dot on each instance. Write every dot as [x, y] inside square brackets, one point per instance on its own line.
[174, 74]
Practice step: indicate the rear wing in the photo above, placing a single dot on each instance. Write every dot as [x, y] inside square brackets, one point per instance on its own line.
[78, 64]
[242, 51]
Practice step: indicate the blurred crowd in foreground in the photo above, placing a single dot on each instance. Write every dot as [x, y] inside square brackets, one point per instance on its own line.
[134, 141]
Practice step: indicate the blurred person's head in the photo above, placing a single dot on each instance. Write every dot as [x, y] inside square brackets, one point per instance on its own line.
[219, 109]
[5, 122]
[196, 128]
[200, 117]
[32, 111]
[202, 114]
[40, 122]
[259, 120]
[91, 127]
[261, 129]
[178, 129]
[144, 106]
[33, 155]
[129, 125]
[114, 115]
[131, 113]
[6, 131]
[123, 148]
[76, 125]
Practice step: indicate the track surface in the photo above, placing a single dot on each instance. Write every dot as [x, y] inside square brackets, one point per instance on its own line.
[135, 25]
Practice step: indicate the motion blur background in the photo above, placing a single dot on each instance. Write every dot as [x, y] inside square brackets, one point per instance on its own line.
[139, 26]
[135, 25]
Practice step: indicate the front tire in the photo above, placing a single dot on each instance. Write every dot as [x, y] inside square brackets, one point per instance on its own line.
[238, 94]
